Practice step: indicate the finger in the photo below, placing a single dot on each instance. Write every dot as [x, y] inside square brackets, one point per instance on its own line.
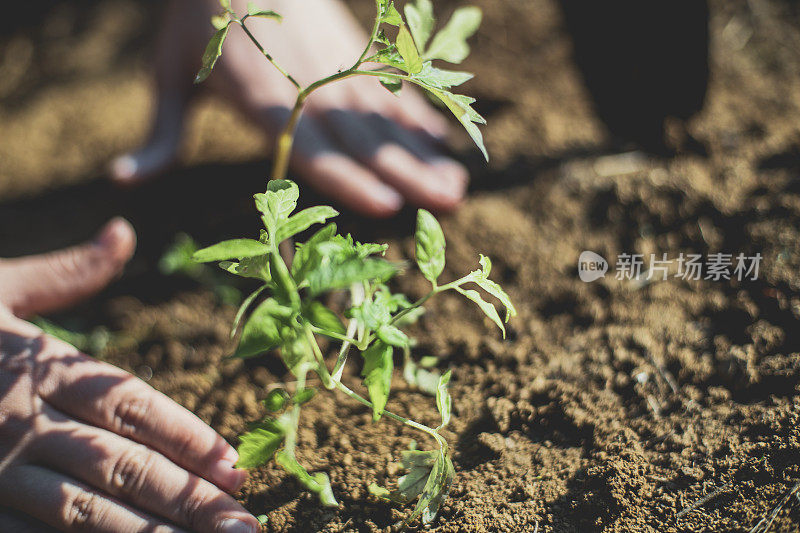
[425, 179]
[107, 397]
[18, 523]
[68, 505]
[139, 476]
[41, 283]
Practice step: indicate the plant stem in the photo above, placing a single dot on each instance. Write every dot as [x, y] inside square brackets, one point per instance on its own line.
[284, 142]
[267, 54]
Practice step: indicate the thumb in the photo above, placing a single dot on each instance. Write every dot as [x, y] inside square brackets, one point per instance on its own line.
[42, 283]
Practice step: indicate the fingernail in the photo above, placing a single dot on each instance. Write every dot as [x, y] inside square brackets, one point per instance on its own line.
[390, 198]
[232, 525]
[124, 167]
[226, 476]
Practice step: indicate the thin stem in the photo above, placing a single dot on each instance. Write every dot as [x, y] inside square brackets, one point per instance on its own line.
[373, 36]
[284, 142]
[267, 54]
[357, 295]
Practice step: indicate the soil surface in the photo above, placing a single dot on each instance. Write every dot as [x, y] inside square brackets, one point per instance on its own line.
[612, 405]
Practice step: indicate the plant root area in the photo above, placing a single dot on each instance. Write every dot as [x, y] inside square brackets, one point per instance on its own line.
[613, 406]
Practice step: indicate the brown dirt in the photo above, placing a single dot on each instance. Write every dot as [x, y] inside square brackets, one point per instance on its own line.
[572, 424]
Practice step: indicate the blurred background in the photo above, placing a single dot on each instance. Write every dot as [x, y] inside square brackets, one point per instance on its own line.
[614, 126]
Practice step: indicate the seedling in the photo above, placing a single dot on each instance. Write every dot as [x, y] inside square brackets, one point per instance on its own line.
[287, 311]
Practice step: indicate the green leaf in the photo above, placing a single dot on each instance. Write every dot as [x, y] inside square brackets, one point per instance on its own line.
[303, 220]
[408, 51]
[277, 203]
[265, 328]
[377, 372]
[377, 311]
[220, 21]
[332, 276]
[256, 447]
[231, 249]
[481, 278]
[389, 56]
[392, 336]
[434, 486]
[323, 318]
[319, 483]
[444, 481]
[254, 11]
[443, 400]
[226, 4]
[243, 308]
[450, 44]
[178, 257]
[438, 78]
[391, 15]
[430, 245]
[485, 306]
[420, 21]
[307, 256]
[250, 267]
[211, 54]
[276, 400]
[393, 85]
[296, 354]
[460, 106]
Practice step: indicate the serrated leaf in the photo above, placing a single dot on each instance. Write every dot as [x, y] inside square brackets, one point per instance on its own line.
[319, 483]
[460, 106]
[331, 276]
[392, 336]
[495, 290]
[444, 403]
[243, 309]
[254, 11]
[277, 203]
[450, 44]
[251, 267]
[231, 249]
[391, 15]
[444, 482]
[256, 447]
[408, 51]
[488, 309]
[303, 220]
[432, 488]
[377, 373]
[297, 355]
[323, 318]
[393, 85]
[440, 78]
[212, 52]
[306, 256]
[265, 328]
[430, 245]
[419, 17]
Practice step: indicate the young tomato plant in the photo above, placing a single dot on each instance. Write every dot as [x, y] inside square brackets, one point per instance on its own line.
[287, 313]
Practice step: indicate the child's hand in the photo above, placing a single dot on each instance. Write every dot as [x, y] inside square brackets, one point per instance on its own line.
[85, 446]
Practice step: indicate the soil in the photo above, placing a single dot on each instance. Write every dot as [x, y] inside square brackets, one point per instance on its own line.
[612, 406]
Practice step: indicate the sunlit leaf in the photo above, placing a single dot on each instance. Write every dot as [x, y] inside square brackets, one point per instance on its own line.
[257, 446]
[419, 17]
[211, 54]
[377, 372]
[254, 11]
[450, 44]
[323, 318]
[243, 309]
[440, 78]
[231, 249]
[341, 275]
[304, 220]
[276, 399]
[408, 51]
[389, 56]
[430, 245]
[251, 267]
[488, 309]
[391, 15]
[264, 329]
[277, 203]
[443, 400]
[460, 106]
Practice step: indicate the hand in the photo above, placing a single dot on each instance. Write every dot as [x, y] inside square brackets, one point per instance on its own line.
[358, 143]
[85, 446]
